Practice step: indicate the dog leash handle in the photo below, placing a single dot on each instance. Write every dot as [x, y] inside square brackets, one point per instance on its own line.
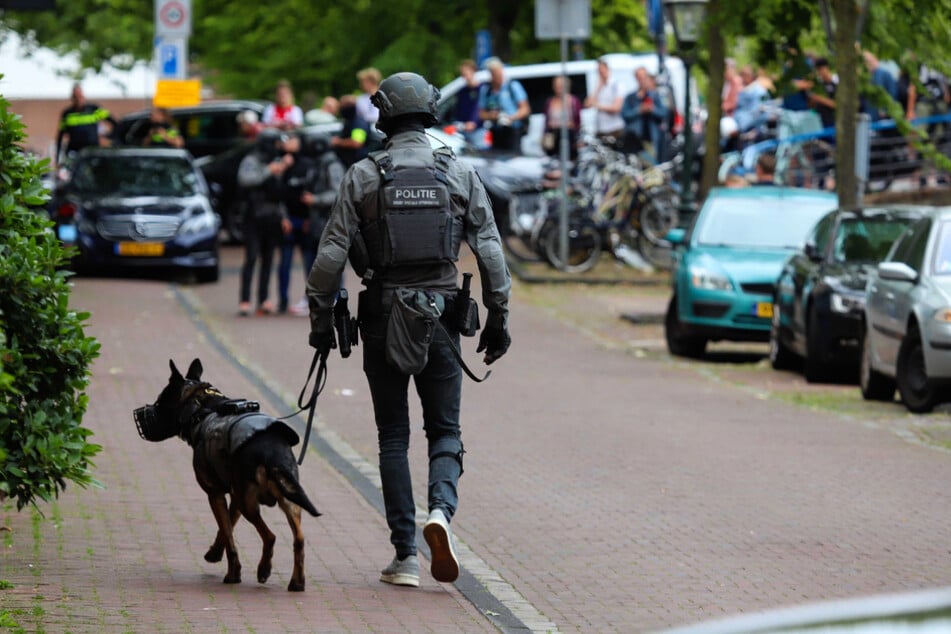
[311, 406]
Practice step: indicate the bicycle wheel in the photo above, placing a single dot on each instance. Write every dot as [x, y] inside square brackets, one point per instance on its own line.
[658, 215]
[584, 246]
[659, 254]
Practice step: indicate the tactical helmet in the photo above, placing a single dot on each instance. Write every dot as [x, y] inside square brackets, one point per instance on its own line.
[406, 93]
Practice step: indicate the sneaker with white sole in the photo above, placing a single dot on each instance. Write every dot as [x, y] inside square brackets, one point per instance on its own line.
[445, 565]
[402, 572]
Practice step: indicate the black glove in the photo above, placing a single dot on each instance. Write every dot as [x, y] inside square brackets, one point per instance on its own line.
[322, 341]
[495, 341]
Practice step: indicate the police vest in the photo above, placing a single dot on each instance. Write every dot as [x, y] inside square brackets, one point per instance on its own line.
[412, 221]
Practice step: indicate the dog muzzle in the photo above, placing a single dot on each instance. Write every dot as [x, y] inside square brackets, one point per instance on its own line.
[149, 425]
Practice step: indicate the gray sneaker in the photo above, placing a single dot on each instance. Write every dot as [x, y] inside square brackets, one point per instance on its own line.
[402, 573]
[445, 565]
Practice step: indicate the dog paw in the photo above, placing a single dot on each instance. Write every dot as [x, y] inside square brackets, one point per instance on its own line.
[295, 586]
[232, 578]
[214, 554]
[263, 573]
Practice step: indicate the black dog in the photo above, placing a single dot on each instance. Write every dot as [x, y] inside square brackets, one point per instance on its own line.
[237, 451]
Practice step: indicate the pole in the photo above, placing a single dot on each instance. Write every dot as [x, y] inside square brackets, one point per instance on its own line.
[686, 195]
[563, 226]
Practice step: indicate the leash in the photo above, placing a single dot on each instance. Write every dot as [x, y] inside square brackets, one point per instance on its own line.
[458, 355]
[311, 405]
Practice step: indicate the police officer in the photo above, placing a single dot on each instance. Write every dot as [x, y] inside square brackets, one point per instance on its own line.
[368, 223]
[79, 123]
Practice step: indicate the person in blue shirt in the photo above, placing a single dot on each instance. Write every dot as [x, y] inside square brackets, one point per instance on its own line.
[881, 78]
[466, 112]
[505, 105]
[645, 117]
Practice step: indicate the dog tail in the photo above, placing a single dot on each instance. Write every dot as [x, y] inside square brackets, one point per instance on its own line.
[292, 490]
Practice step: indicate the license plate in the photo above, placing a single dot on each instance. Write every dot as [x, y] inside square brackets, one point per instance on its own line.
[147, 249]
[67, 233]
[764, 310]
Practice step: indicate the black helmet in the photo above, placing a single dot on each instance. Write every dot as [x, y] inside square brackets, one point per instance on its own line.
[315, 144]
[404, 94]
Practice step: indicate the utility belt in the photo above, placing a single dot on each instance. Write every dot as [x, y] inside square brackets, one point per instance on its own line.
[457, 310]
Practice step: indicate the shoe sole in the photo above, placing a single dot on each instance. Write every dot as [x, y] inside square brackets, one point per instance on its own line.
[445, 566]
[401, 580]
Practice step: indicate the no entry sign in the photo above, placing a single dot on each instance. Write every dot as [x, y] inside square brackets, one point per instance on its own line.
[173, 18]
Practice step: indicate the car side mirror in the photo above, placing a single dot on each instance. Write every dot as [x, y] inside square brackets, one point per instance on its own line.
[676, 236]
[897, 272]
[812, 252]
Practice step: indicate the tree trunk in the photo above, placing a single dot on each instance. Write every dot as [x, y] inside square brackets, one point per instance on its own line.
[716, 48]
[846, 101]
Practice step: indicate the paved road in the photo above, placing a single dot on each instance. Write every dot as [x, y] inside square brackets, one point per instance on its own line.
[603, 492]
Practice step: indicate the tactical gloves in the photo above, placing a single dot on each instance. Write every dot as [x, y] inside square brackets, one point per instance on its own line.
[322, 341]
[495, 341]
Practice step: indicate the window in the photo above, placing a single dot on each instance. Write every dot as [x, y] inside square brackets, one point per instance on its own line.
[911, 248]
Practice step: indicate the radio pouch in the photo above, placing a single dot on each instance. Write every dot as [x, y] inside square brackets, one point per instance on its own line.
[467, 316]
[410, 329]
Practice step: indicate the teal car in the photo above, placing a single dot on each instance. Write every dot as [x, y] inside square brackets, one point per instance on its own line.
[728, 262]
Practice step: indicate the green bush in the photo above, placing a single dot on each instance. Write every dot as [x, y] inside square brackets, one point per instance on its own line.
[44, 353]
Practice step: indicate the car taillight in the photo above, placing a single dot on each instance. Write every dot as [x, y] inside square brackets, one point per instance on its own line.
[66, 210]
[678, 122]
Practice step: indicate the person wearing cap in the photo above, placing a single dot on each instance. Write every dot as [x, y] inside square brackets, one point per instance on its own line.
[248, 124]
[400, 219]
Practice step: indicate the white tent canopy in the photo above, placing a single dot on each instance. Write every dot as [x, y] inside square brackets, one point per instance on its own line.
[44, 74]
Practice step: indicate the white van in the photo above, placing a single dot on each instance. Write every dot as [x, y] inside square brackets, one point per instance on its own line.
[537, 81]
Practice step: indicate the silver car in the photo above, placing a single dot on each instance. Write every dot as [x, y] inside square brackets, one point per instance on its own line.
[907, 334]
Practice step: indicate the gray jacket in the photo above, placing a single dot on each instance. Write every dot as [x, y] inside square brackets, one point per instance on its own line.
[360, 187]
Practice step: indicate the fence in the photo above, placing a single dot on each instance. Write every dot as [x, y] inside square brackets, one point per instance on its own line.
[808, 159]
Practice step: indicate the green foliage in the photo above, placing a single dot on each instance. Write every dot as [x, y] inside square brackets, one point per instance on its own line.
[241, 48]
[44, 353]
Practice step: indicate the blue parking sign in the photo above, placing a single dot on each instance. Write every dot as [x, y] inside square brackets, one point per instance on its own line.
[168, 60]
[483, 47]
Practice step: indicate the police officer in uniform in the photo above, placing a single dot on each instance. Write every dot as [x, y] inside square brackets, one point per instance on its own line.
[368, 223]
[79, 124]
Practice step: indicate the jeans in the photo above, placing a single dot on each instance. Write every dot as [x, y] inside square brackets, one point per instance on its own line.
[261, 240]
[439, 387]
[304, 241]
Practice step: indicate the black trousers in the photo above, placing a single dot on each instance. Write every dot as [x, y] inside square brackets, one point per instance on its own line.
[262, 238]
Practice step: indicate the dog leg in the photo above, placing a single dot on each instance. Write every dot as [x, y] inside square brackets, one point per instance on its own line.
[217, 549]
[292, 511]
[219, 506]
[253, 515]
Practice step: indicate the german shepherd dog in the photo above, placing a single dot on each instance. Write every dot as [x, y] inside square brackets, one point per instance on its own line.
[237, 452]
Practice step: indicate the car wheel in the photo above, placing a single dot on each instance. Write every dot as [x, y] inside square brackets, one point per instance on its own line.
[916, 390]
[678, 343]
[814, 366]
[875, 385]
[208, 274]
[780, 357]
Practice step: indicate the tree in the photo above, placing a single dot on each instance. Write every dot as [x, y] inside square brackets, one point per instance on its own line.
[44, 354]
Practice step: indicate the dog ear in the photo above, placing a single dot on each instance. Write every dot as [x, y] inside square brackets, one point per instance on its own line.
[194, 371]
[176, 375]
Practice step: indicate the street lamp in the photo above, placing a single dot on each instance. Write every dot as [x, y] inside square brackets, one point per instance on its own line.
[687, 18]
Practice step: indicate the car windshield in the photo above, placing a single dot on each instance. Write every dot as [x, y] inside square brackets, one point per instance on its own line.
[867, 239]
[125, 175]
[942, 252]
[759, 222]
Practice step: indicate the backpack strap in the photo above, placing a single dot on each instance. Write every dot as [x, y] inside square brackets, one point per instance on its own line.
[442, 158]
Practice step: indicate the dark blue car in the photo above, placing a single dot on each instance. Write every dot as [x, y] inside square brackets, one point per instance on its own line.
[138, 208]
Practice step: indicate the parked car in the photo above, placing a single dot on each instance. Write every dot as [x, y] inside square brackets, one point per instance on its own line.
[820, 295]
[907, 334]
[137, 208]
[727, 265]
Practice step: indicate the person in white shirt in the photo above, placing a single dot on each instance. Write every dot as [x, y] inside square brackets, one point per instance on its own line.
[283, 114]
[607, 99]
[369, 79]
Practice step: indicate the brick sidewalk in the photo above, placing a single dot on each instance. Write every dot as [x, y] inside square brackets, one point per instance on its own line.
[129, 557]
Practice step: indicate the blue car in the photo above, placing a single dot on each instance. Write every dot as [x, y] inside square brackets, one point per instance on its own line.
[728, 262]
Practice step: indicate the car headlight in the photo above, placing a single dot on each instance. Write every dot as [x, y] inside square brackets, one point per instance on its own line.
[199, 223]
[842, 303]
[943, 315]
[708, 280]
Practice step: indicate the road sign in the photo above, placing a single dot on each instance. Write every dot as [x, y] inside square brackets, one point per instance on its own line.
[171, 57]
[483, 47]
[173, 18]
[173, 93]
[557, 19]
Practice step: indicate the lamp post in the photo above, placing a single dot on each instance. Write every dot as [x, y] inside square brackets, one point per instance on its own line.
[687, 18]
